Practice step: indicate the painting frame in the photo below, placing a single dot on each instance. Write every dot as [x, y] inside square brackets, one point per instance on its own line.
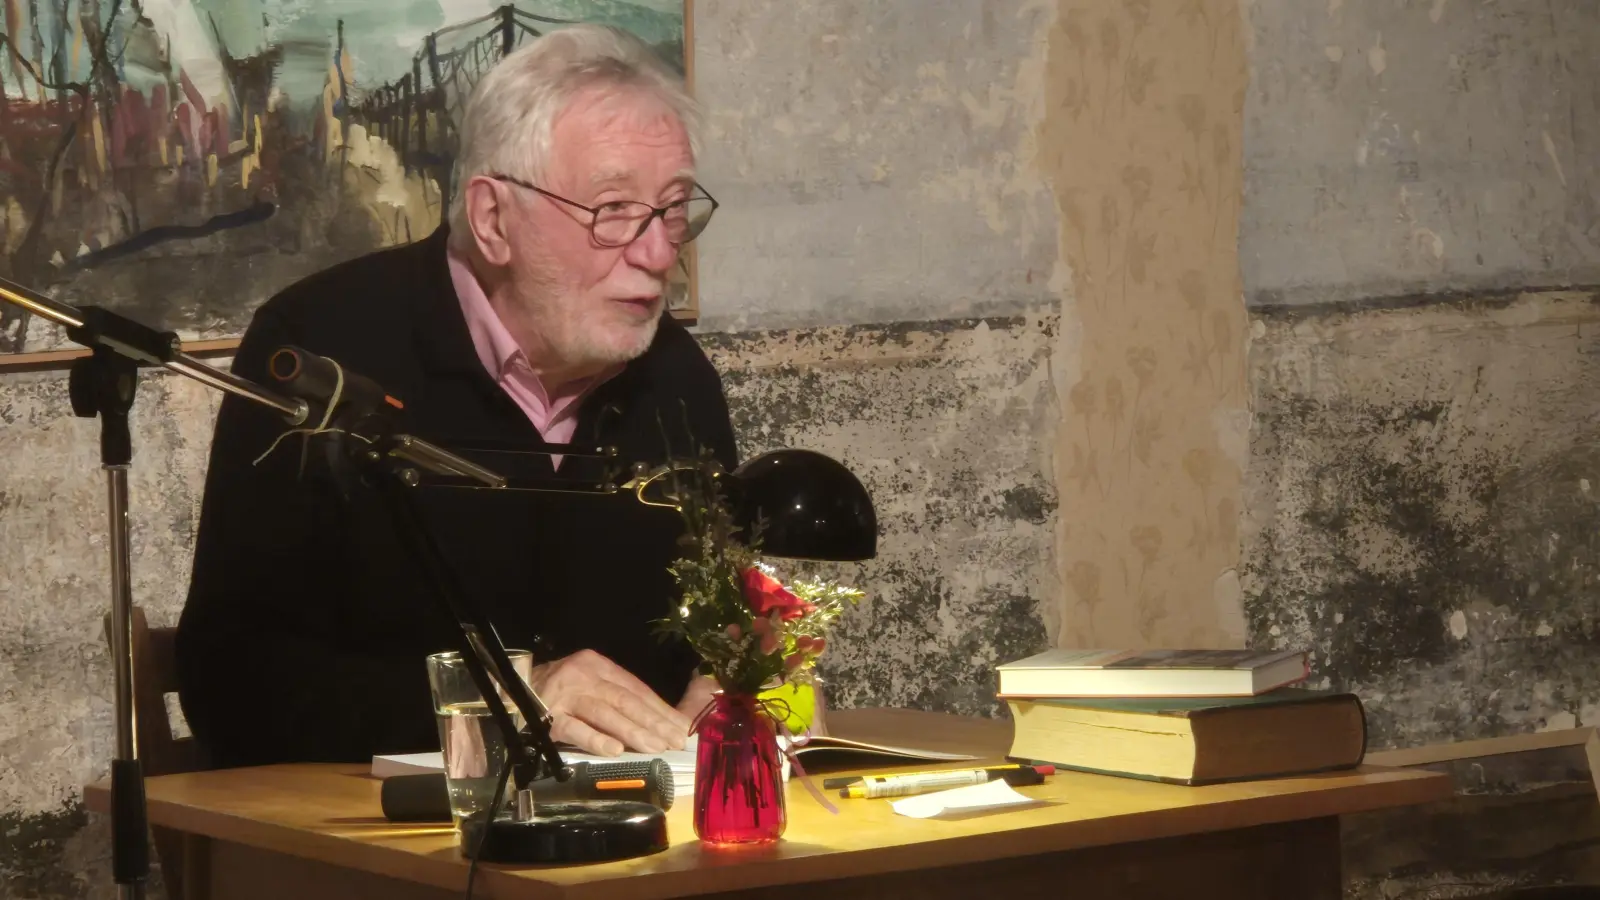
[61, 357]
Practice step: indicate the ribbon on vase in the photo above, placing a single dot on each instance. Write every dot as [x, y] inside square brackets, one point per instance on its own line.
[768, 708]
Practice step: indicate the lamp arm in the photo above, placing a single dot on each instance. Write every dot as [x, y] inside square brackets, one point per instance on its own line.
[644, 477]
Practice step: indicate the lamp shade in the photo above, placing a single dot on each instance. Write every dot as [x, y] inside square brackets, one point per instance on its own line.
[812, 506]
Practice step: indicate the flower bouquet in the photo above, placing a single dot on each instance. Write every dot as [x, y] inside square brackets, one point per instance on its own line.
[752, 633]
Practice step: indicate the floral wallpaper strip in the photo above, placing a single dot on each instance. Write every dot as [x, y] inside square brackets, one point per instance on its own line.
[1141, 137]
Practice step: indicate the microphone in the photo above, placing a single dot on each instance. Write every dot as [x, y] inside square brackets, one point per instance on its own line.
[425, 797]
[317, 380]
[351, 405]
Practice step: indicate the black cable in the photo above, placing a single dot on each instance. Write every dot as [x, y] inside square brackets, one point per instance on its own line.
[494, 808]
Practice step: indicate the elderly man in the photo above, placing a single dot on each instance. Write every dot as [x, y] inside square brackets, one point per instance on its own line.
[536, 313]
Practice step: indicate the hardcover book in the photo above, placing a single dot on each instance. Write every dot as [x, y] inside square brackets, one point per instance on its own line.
[1064, 672]
[1194, 741]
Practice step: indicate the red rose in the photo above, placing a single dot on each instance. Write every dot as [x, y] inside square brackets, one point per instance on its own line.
[766, 596]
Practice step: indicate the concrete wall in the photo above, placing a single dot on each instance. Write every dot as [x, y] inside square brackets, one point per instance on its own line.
[875, 161]
[1420, 187]
[1397, 148]
[1417, 502]
[56, 730]
[1422, 512]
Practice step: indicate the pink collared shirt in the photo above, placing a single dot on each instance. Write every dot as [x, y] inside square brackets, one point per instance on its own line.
[556, 418]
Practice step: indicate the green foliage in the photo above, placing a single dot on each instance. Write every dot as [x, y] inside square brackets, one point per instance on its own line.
[716, 617]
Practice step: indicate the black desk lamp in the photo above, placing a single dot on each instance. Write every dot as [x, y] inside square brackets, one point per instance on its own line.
[808, 506]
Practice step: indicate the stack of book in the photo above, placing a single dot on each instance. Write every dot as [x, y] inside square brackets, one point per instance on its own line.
[1181, 716]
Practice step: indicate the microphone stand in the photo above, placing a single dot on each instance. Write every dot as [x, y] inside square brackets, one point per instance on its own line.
[103, 385]
[392, 463]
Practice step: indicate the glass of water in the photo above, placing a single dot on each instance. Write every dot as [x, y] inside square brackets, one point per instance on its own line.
[474, 749]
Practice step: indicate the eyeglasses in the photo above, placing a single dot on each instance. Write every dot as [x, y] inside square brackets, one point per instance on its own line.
[621, 222]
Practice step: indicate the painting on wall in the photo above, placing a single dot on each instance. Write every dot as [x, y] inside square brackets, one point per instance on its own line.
[180, 161]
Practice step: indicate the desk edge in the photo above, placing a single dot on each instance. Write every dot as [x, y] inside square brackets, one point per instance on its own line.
[1419, 787]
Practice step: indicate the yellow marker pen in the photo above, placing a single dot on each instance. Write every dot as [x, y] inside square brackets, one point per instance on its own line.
[872, 787]
[833, 784]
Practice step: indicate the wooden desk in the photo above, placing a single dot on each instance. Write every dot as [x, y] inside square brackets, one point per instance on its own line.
[308, 832]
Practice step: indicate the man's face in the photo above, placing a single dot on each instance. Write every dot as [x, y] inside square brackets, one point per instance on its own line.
[587, 306]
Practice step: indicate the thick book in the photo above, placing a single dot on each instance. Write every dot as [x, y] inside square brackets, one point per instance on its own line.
[1066, 672]
[1194, 741]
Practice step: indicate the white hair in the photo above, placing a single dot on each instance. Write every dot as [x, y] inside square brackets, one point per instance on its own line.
[508, 119]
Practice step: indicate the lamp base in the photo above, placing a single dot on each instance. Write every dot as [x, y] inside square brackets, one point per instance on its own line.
[590, 831]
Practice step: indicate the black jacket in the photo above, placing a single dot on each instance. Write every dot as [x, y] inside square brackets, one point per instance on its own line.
[307, 623]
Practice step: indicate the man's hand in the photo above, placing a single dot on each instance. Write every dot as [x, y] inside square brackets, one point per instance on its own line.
[697, 696]
[602, 708]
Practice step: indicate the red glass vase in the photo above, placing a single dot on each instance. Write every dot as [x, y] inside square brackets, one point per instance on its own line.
[738, 774]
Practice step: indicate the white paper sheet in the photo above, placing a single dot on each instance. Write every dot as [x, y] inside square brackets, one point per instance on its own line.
[972, 798]
[681, 762]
